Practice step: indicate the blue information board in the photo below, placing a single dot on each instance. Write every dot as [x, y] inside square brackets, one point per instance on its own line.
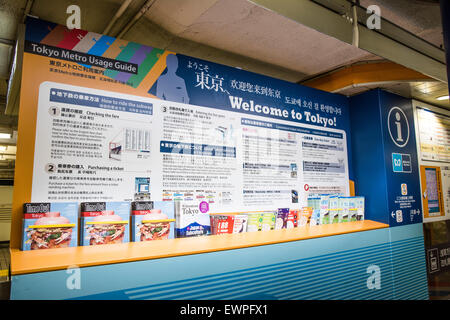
[385, 157]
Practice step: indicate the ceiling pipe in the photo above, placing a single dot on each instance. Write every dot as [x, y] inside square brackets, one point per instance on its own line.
[28, 6]
[118, 14]
[7, 42]
[355, 37]
[141, 12]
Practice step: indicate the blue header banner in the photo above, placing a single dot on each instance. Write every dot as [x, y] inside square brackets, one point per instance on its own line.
[101, 102]
[203, 83]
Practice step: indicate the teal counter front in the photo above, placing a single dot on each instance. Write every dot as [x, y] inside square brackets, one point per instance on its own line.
[362, 260]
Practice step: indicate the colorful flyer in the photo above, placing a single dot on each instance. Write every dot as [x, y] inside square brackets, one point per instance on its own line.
[222, 223]
[305, 216]
[282, 218]
[325, 214]
[192, 218]
[268, 220]
[240, 223]
[335, 208]
[360, 208]
[292, 219]
[344, 212]
[314, 203]
[254, 221]
[353, 210]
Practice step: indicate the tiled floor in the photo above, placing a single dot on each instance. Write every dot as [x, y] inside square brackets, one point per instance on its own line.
[4, 262]
[5, 288]
[439, 293]
[4, 267]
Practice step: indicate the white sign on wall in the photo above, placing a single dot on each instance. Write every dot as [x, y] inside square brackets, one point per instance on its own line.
[94, 145]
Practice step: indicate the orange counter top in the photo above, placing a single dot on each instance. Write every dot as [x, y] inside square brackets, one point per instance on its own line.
[23, 262]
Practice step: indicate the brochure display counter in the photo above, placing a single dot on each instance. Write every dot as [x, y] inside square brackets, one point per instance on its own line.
[155, 147]
[39, 261]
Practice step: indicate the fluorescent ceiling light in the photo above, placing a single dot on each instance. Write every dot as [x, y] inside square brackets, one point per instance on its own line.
[3, 148]
[5, 135]
[442, 98]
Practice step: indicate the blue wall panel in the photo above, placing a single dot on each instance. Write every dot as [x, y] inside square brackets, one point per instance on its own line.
[399, 141]
[368, 154]
[385, 157]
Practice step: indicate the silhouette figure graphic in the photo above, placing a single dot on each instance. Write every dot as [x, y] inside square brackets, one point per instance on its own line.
[170, 86]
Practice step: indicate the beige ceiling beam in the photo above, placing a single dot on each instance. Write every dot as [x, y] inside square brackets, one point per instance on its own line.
[365, 74]
[394, 43]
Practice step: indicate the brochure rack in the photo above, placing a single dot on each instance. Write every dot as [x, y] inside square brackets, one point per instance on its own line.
[59, 259]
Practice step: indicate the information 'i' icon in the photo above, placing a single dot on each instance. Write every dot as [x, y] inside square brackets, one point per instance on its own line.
[399, 127]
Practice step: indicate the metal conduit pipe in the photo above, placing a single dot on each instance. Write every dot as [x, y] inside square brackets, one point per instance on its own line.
[27, 10]
[118, 14]
[7, 42]
[355, 37]
[141, 12]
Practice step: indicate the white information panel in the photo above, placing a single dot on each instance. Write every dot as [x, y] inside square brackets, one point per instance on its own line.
[94, 145]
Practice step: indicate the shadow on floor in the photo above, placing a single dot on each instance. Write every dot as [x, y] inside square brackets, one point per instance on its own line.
[5, 290]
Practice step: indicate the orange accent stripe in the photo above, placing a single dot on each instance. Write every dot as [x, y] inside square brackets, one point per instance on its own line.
[23, 173]
[23, 262]
[352, 188]
[363, 74]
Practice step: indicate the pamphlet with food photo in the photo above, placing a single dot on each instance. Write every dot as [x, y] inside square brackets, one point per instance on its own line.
[152, 220]
[104, 223]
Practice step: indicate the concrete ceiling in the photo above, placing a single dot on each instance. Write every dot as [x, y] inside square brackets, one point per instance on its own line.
[420, 17]
[237, 33]
[426, 91]
[243, 28]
